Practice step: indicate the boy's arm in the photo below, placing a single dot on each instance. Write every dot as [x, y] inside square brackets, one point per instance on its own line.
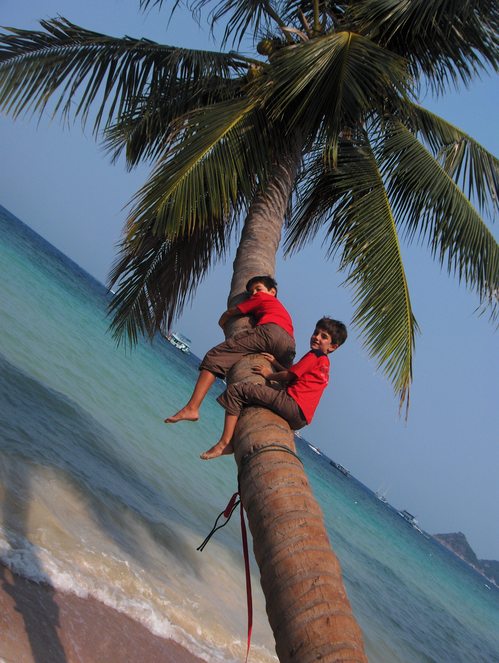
[275, 364]
[229, 313]
[284, 376]
[246, 307]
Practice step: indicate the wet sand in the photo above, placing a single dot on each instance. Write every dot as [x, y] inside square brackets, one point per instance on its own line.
[41, 625]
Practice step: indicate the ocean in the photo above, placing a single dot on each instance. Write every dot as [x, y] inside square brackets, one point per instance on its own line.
[99, 498]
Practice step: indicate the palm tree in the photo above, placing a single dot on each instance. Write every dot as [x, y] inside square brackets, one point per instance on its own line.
[319, 134]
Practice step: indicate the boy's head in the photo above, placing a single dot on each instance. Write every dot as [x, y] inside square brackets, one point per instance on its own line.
[262, 284]
[328, 335]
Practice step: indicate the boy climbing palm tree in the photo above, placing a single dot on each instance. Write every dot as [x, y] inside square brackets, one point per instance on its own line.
[272, 332]
[305, 383]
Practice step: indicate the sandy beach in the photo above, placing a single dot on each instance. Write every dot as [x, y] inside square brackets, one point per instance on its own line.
[41, 625]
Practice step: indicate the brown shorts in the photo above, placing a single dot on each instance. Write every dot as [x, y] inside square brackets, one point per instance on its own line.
[262, 338]
[241, 394]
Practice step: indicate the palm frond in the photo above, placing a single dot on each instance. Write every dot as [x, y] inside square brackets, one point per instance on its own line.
[449, 41]
[316, 199]
[334, 79]
[203, 176]
[240, 17]
[430, 205]
[144, 4]
[351, 204]
[226, 152]
[303, 13]
[155, 123]
[67, 63]
[155, 278]
[471, 166]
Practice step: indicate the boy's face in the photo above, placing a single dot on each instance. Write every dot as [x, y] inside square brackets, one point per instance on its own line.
[321, 340]
[260, 287]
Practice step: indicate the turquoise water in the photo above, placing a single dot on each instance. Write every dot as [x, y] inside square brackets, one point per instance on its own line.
[99, 497]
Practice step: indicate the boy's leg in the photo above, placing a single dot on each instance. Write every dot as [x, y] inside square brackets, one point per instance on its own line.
[190, 411]
[241, 394]
[217, 362]
[220, 359]
[224, 445]
[278, 342]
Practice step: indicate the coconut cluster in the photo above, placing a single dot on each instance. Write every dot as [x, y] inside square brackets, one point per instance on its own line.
[267, 46]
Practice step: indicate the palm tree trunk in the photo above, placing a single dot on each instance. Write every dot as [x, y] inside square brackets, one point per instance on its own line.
[306, 602]
[261, 233]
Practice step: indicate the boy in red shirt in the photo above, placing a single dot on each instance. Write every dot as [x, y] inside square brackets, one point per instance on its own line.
[305, 380]
[272, 333]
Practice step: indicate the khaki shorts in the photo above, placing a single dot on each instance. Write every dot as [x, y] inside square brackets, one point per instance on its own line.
[262, 338]
[241, 394]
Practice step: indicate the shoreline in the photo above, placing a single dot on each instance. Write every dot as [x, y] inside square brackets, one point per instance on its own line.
[40, 624]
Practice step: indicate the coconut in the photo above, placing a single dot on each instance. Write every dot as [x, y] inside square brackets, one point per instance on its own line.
[266, 46]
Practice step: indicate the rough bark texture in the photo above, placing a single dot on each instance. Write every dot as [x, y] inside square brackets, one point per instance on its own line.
[261, 233]
[306, 603]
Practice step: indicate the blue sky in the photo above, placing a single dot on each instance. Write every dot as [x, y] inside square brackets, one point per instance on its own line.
[443, 464]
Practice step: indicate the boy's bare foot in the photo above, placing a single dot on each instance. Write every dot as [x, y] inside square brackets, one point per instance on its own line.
[220, 449]
[185, 414]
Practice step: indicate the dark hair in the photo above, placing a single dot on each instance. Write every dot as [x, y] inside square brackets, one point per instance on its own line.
[334, 328]
[267, 281]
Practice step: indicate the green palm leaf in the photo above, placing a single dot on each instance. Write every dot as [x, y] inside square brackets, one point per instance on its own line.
[225, 153]
[429, 204]
[204, 176]
[335, 79]
[240, 16]
[350, 202]
[446, 40]
[157, 277]
[112, 74]
[470, 165]
[155, 124]
[144, 4]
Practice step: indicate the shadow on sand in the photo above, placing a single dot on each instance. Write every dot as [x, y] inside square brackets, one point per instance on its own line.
[41, 427]
[38, 609]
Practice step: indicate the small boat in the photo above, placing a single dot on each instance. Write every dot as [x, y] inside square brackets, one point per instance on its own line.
[181, 342]
[340, 468]
[381, 495]
[316, 449]
[408, 517]
[412, 521]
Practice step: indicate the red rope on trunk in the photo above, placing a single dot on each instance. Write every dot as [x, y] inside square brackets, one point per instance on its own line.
[227, 513]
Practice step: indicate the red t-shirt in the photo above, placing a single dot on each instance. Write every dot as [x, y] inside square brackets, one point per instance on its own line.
[267, 309]
[312, 377]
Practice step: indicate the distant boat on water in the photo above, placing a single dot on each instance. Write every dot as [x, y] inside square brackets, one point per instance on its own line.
[381, 495]
[316, 449]
[340, 468]
[179, 341]
[413, 522]
[408, 516]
